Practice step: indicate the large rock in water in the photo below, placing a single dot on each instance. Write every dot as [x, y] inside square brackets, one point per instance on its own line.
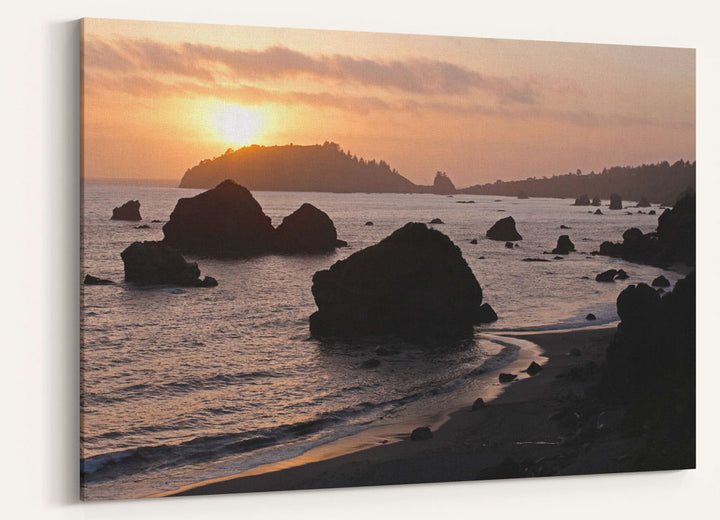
[582, 200]
[155, 263]
[128, 211]
[615, 201]
[674, 240]
[414, 283]
[307, 230]
[564, 246]
[504, 229]
[644, 203]
[596, 200]
[223, 221]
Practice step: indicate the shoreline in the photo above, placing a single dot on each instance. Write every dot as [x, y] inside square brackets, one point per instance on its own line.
[466, 445]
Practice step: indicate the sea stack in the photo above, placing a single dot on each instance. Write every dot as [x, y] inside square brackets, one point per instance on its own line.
[564, 246]
[442, 185]
[307, 230]
[582, 200]
[504, 230]
[413, 284]
[128, 211]
[615, 201]
[223, 221]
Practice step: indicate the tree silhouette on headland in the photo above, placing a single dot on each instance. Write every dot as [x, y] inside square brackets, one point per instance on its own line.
[661, 183]
[323, 167]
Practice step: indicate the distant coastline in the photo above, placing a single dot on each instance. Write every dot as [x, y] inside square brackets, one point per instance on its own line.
[328, 168]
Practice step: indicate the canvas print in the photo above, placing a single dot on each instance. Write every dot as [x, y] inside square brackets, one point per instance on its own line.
[319, 259]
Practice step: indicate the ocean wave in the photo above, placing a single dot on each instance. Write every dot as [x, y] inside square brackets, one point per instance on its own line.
[140, 390]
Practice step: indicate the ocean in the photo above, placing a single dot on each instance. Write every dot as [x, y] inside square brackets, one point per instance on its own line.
[181, 385]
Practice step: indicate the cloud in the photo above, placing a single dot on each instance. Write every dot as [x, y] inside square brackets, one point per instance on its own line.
[141, 86]
[213, 63]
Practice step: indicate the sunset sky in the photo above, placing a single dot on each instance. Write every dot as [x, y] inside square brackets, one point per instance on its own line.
[160, 97]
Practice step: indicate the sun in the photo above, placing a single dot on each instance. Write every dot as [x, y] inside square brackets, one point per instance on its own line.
[237, 124]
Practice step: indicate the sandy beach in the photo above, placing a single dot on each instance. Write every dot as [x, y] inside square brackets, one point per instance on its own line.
[544, 425]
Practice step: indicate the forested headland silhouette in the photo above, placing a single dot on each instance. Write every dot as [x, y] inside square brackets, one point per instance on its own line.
[660, 183]
[328, 168]
[291, 167]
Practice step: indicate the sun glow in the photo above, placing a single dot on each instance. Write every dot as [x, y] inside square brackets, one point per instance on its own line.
[237, 124]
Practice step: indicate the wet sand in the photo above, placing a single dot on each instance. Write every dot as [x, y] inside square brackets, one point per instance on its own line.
[544, 425]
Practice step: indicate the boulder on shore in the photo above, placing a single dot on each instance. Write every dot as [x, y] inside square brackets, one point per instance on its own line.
[414, 283]
[223, 221]
[615, 201]
[564, 246]
[661, 281]
[582, 200]
[155, 263]
[504, 230]
[128, 211]
[307, 230]
[422, 433]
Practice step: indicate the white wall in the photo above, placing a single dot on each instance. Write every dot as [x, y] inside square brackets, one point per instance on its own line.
[39, 209]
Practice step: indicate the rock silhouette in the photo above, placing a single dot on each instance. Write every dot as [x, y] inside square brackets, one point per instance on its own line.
[606, 276]
[442, 185]
[414, 283]
[661, 281]
[223, 221]
[596, 201]
[674, 240]
[154, 263]
[504, 230]
[307, 230]
[128, 211]
[582, 200]
[564, 246]
[228, 221]
[486, 314]
[94, 280]
[615, 201]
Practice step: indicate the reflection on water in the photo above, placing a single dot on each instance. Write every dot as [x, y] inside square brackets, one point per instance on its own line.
[184, 385]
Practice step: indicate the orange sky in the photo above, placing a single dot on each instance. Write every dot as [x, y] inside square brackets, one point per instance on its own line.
[160, 97]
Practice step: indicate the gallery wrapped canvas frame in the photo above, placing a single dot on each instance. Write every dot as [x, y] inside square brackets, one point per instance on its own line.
[317, 259]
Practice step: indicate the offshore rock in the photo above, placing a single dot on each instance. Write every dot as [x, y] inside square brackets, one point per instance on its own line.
[582, 200]
[486, 314]
[615, 201]
[94, 280]
[155, 263]
[128, 211]
[504, 230]
[564, 246]
[674, 240]
[414, 283]
[606, 276]
[223, 221]
[307, 230]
